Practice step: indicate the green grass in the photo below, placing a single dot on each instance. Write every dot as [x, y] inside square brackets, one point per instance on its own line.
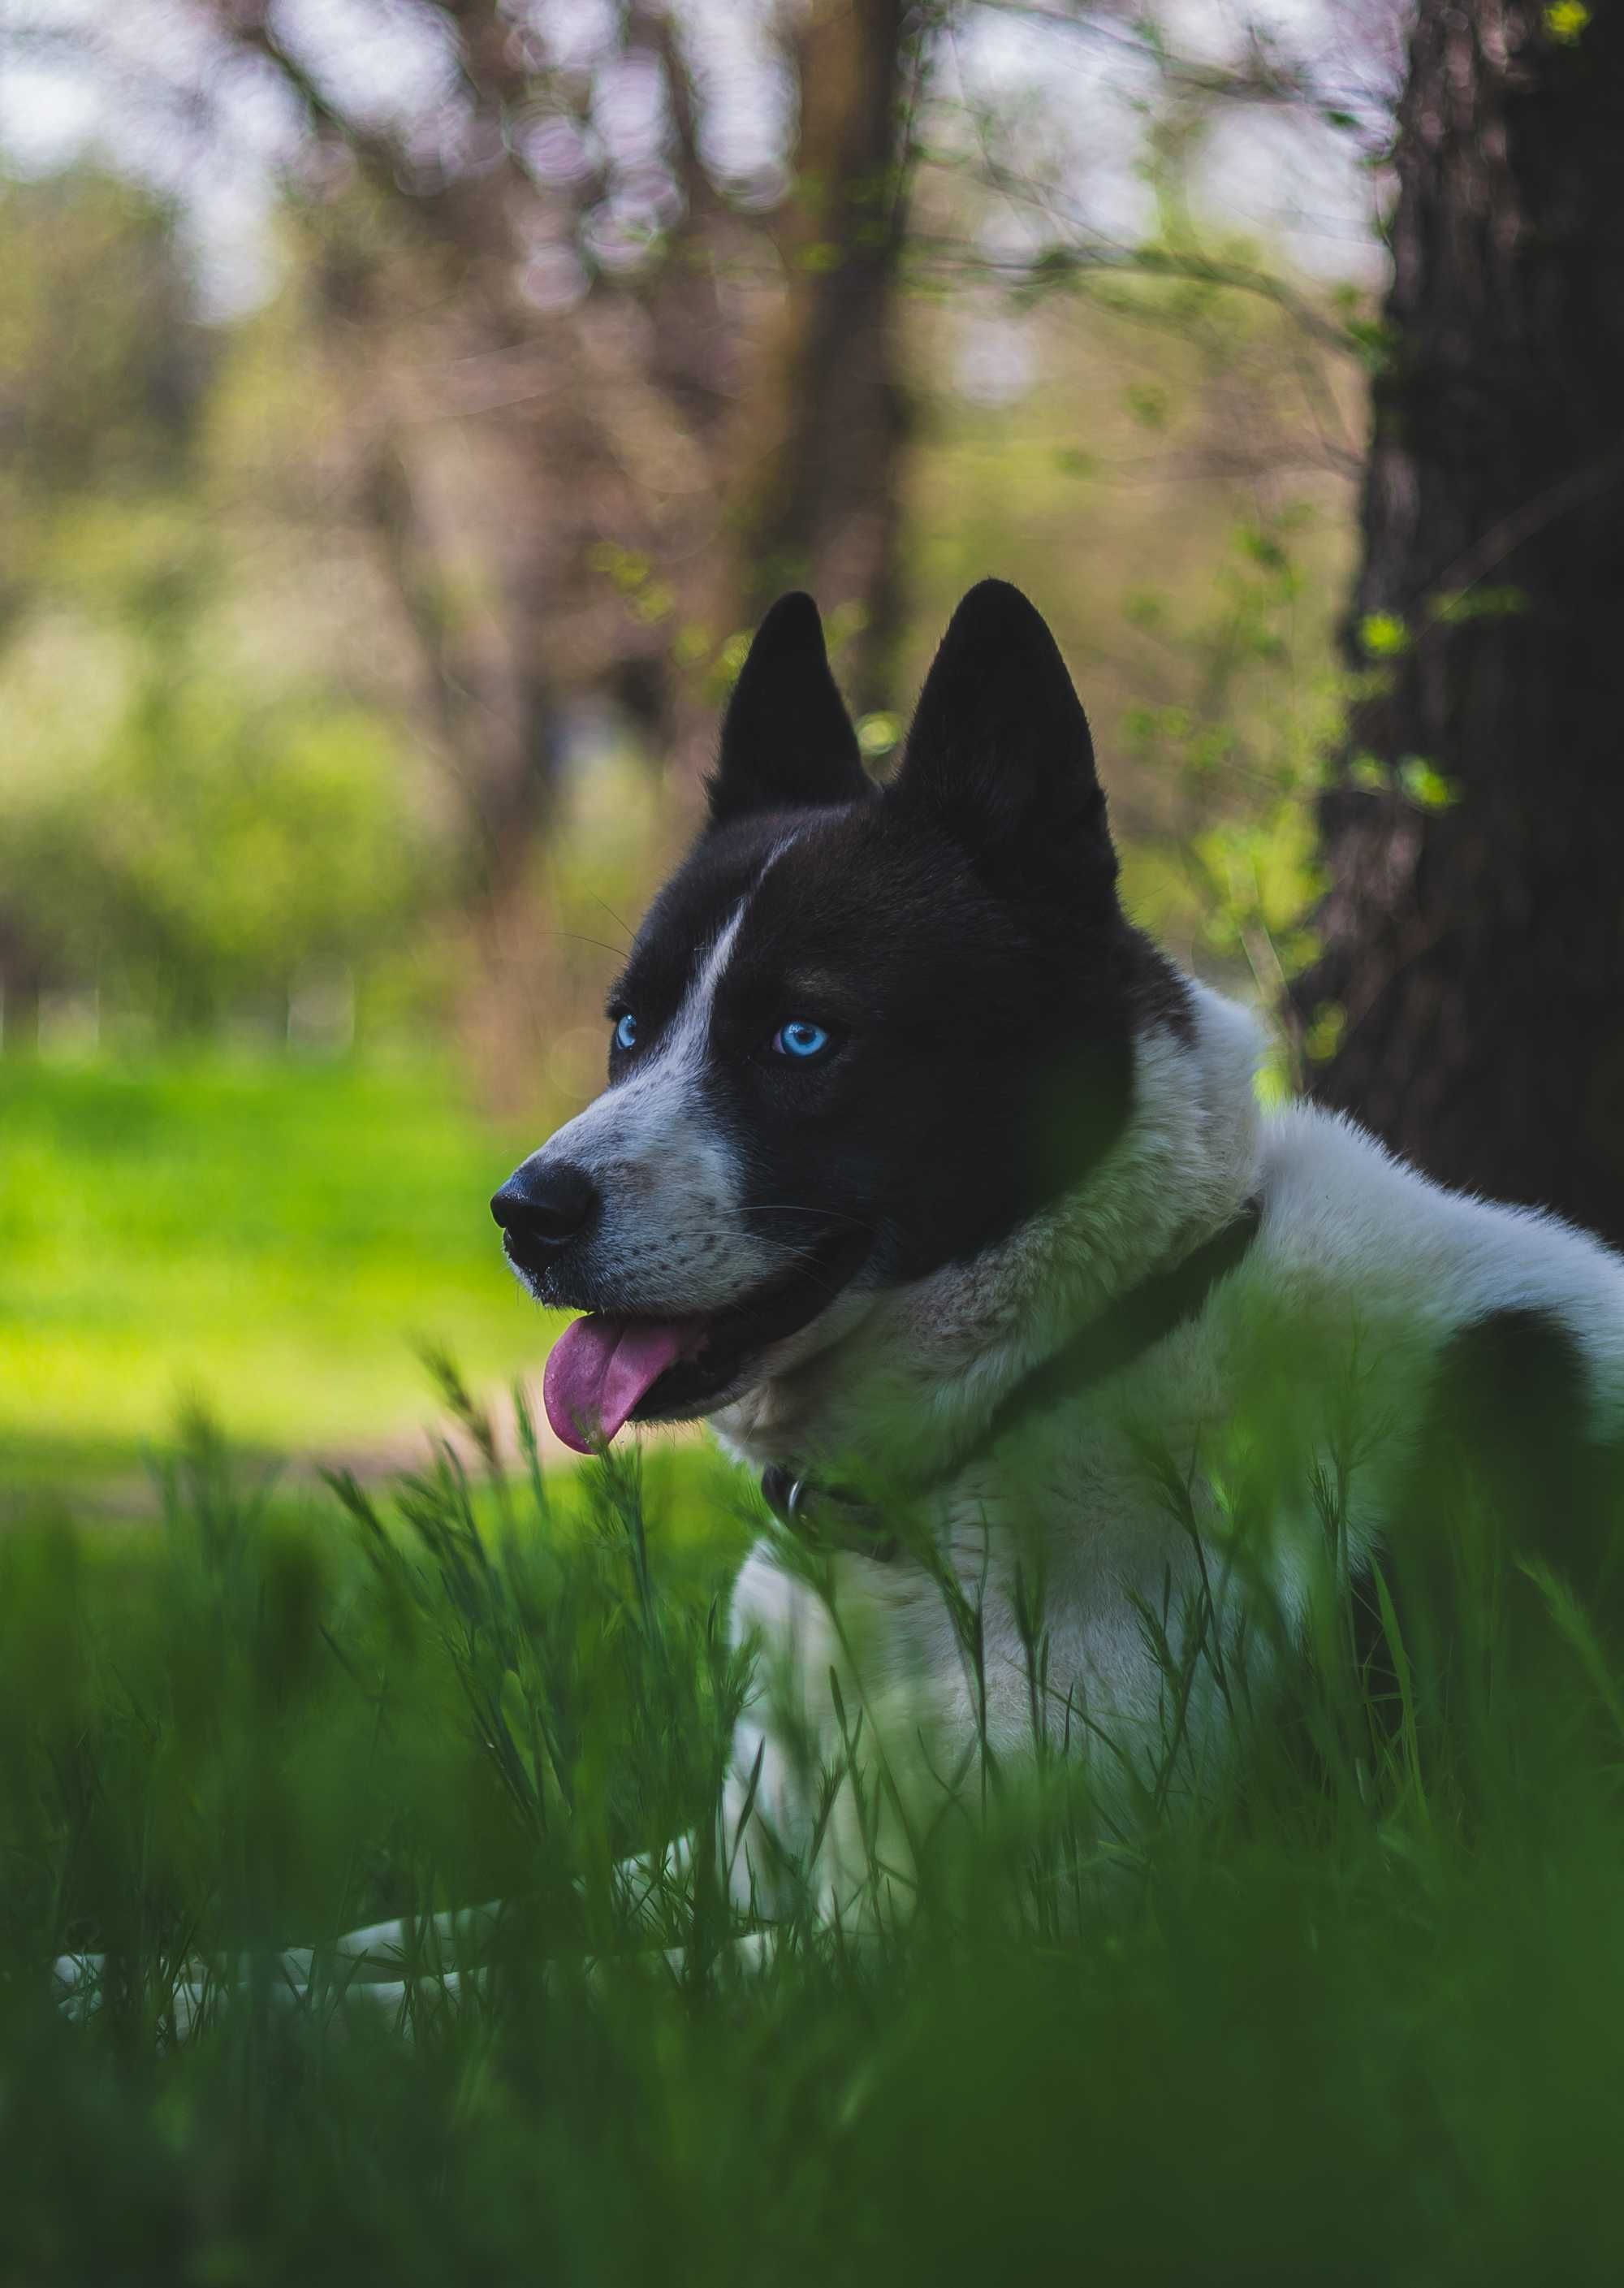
[267, 1241]
[1360, 2018]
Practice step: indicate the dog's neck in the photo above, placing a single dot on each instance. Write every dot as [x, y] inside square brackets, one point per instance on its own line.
[912, 1375]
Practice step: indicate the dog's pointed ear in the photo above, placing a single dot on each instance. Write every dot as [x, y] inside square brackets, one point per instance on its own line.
[999, 751]
[788, 743]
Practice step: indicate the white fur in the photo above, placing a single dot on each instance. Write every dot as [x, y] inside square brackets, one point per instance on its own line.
[1361, 1271]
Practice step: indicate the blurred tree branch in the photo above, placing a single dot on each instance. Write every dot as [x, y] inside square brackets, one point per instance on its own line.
[818, 501]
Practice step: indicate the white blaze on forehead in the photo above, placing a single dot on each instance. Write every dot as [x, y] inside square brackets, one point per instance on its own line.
[653, 1106]
[651, 1110]
[671, 1235]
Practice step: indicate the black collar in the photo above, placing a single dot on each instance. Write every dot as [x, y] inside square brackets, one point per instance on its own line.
[1134, 1324]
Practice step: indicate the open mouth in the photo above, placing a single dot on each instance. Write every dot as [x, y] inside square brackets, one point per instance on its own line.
[612, 1367]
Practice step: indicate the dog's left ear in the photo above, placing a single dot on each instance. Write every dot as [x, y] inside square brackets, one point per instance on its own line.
[998, 752]
[788, 743]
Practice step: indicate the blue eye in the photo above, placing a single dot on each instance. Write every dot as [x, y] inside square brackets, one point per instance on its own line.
[626, 1032]
[801, 1039]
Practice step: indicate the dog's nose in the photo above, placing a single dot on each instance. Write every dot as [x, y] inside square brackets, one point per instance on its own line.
[546, 1208]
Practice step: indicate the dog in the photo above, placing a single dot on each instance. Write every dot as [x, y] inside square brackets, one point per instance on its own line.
[940, 1192]
[950, 1203]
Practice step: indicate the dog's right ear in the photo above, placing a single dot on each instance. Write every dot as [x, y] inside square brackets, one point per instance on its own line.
[788, 743]
[1000, 753]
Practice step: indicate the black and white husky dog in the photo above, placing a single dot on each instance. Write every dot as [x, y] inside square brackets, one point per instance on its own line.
[949, 1201]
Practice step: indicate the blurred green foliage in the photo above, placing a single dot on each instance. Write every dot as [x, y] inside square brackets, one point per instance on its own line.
[223, 776]
[195, 811]
[211, 846]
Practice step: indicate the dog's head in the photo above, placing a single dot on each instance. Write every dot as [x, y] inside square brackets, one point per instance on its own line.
[863, 1032]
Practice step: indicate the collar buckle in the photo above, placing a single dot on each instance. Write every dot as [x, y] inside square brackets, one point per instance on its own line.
[824, 1517]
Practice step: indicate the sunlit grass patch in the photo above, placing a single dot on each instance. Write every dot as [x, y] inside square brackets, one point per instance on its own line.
[270, 1241]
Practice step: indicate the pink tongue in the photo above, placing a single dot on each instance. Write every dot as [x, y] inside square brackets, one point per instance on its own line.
[599, 1368]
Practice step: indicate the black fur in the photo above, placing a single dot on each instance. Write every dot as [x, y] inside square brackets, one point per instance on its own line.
[1000, 756]
[1509, 1404]
[787, 739]
[1507, 1465]
[958, 932]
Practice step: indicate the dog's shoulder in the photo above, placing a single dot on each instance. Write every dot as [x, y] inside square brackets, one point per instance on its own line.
[1362, 1237]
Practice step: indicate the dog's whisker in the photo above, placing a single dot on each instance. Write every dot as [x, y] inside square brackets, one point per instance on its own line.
[575, 937]
[784, 1207]
[630, 935]
[807, 1256]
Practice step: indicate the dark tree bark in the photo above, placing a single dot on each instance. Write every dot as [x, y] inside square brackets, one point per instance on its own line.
[22, 980]
[1476, 951]
[819, 503]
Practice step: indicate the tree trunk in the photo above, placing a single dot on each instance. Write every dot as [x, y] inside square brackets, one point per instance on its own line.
[22, 984]
[819, 502]
[1474, 947]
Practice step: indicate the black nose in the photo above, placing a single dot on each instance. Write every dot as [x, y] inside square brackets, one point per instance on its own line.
[544, 1208]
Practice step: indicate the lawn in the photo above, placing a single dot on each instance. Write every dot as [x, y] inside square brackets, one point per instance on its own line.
[1358, 2019]
[268, 1241]
[1357, 2014]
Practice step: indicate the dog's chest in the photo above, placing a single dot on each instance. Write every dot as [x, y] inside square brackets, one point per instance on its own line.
[1049, 1549]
